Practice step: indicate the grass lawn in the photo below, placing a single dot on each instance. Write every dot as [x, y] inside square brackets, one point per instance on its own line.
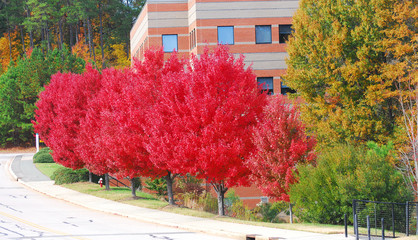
[48, 168]
[146, 200]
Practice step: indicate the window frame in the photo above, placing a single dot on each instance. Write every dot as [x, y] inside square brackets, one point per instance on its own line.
[233, 35]
[286, 34]
[259, 27]
[177, 43]
[270, 89]
[285, 90]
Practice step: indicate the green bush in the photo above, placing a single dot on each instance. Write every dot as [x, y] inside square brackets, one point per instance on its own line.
[158, 185]
[67, 175]
[326, 192]
[43, 156]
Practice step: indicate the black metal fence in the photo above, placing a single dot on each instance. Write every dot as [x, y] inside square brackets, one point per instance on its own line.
[377, 219]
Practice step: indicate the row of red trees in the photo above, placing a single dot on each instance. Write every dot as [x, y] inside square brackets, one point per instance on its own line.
[205, 116]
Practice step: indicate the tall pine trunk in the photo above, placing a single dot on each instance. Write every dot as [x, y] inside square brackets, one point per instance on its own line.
[101, 34]
[23, 39]
[169, 178]
[91, 43]
[220, 190]
[61, 33]
[30, 31]
[10, 43]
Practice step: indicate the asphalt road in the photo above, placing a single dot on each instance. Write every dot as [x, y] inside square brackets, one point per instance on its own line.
[25, 214]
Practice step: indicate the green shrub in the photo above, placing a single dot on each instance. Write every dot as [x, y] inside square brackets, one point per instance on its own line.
[326, 192]
[43, 156]
[67, 175]
[158, 185]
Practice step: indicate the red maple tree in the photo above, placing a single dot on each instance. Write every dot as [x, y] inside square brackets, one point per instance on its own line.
[281, 144]
[61, 107]
[202, 123]
[113, 128]
[156, 80]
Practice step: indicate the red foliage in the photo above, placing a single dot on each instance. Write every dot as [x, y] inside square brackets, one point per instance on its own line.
[281, 144]
[202, 121]
[113, 127]
[61, 108]
[224, 102]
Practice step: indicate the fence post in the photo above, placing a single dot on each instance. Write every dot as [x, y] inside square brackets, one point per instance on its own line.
[393, 219]
[368, 227]
[354, 214]
[416, 210]
[356, 226]
[383, 229]
[407, 218]
[345, 225]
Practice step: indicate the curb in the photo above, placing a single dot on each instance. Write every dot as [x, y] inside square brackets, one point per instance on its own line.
[10, 170]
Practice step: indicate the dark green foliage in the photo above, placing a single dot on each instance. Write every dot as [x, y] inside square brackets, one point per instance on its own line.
[158, 185]
[42, 151]
[43, 158]
[67, 175]
[325, 192]
[20, 86]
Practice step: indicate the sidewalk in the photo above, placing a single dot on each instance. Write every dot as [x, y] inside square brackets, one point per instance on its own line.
[22, 169]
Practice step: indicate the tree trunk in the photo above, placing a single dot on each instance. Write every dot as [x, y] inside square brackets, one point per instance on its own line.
[90, 177]
[101, 34]
[47, 36]
[77, 30]
[133, 187]
[56, 33]
[71, 37]
[61, 34]
[107, 181]
[30, 31]
[91, 43]
[220, 190]
[10, 43]
[23, 39]
[86, 36]
[169, 180]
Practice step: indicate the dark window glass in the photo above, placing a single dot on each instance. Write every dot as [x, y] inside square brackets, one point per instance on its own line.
[267, 84]
[263, 34]
[170, 43]
[226, 35]
[284, 33]
[284, 90]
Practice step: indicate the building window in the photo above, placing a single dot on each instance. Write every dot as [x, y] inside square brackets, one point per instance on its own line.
[267, 84]
[192, 39]
[226, 35]
[284, 33]
[170, 43]
[263, 34]
[264, 200]
[284, 90]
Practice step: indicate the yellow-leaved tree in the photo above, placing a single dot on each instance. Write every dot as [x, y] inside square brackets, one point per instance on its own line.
[342, 60]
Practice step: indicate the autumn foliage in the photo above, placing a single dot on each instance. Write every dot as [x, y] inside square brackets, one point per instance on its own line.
[281, 144]
[61, 109]
[164, 118]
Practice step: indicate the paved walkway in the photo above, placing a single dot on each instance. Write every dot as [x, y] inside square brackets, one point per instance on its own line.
[22, 169]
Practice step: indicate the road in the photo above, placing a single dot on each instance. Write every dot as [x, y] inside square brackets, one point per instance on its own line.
[26, 214]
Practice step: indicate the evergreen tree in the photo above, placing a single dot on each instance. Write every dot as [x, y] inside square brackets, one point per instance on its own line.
[19, 89]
